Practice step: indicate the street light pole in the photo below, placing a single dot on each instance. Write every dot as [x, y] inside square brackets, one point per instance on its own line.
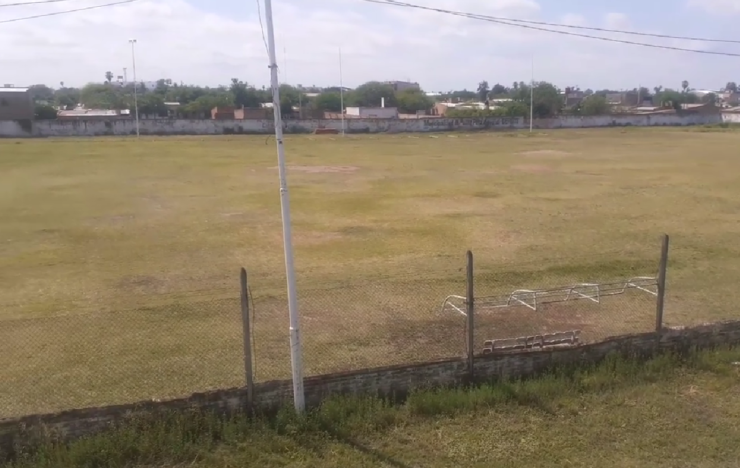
[295, 337]
[136, 84]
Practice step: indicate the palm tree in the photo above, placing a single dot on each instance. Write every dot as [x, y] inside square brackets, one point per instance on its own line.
[685, 86]
[108, 76]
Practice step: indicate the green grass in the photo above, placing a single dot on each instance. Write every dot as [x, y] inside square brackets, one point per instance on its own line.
[119, 258]
[665, 412]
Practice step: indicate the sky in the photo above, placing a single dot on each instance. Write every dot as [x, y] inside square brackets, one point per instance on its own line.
[208, 42]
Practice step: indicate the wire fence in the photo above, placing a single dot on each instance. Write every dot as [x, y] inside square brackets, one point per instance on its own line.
[408, 311]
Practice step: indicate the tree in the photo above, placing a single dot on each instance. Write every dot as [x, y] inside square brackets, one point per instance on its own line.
[595, 105]
[410, 101]
[44, 112]
[731, 87]
[671, 98]
[244, 95]
[657, 90]
[499, 89]
[483, 90]
[546, 99]
[371, 94]
[108, 76]
[151, 104]
[40, 92]
[97, 96]
[710, 98]
[328, 101]
[67, 98]
[685, 86]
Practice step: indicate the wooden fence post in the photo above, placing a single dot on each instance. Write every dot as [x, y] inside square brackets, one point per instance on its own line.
[662, 269]
[247, 332]
[470, 311]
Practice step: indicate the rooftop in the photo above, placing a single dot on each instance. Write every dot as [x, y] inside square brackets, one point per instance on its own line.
[13, 90]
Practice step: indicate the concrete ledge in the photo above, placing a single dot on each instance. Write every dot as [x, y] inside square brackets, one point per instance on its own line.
[385, 381]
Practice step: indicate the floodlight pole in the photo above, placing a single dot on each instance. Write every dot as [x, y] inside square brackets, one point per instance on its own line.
[531, 99]
[295, 337]
[136, 100]
[341, 89]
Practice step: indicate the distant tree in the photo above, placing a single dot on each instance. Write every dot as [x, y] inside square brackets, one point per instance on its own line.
[290, 97]
[643, 93]
[108, 76]
[657, 90]
[546, 99]
[244, 95]
[328, 101]
[685, 86]
[204, 103]
[410, 101]
[498, 89]
[674, 99]
[515, 86]
[456, 96]
[371, 94]
[151, 104]
[731, 86]
[595, 105]
[588, 92]
[710, 98]
[483, 90]
[98, 96]
[67, 98]
[44, 112]
[40, 92]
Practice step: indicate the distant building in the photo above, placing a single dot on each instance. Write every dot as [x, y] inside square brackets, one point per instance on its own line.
[402, 85]
[372, 112]
[93, 114]
[16, 104]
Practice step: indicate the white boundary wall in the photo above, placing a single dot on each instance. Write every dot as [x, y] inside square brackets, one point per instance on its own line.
[61, 128]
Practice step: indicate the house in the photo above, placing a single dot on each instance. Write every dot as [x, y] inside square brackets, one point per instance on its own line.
[372, 112]
[16, 104]
[729, 98]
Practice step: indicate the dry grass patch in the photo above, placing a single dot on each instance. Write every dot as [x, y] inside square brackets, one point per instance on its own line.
[102, 239]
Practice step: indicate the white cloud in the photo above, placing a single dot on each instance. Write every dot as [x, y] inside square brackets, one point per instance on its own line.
[616, 21]
[716, 6]
[177, 40]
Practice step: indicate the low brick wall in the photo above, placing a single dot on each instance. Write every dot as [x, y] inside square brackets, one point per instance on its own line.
[388, 381]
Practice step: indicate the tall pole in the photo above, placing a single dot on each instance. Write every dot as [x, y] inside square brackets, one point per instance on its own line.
[136, 84]
[341, 89]
[531, 99]
[295, 337]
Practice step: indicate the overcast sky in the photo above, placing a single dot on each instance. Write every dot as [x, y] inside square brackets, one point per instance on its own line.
[208, 42]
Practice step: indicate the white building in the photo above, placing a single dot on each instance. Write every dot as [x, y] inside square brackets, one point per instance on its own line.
[372, 112]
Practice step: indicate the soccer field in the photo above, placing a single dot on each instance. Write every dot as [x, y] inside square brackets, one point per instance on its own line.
[119, 259]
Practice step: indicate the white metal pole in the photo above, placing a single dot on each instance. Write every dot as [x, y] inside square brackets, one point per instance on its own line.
[295, 337]
[136, 84]
[531, 99]
[341, 89]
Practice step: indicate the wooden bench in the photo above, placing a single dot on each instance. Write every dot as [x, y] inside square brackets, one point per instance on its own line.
[545, 341]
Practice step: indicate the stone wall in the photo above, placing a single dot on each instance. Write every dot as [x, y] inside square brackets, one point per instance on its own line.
[389, 381]
[87, 128]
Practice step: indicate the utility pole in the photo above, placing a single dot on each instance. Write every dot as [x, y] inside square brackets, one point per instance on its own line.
[295, 337]
[531, 99]
[341, 89]
[136, 84]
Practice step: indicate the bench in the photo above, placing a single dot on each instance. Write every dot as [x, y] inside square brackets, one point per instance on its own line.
[546, 341]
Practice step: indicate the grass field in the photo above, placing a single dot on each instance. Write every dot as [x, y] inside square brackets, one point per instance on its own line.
[663, 413]
[119, 258]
